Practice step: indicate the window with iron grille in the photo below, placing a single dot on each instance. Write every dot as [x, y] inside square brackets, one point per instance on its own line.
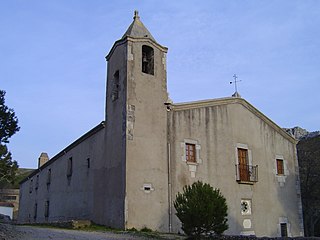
[245, 172]
[46, 209]
[191, 152]
[283, 229]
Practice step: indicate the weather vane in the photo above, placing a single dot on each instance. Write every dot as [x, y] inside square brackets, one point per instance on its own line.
[235, 81]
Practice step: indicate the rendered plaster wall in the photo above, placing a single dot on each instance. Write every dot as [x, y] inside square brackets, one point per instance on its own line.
[69, 197]
[110, 178]
[146, 161]
[218, 130]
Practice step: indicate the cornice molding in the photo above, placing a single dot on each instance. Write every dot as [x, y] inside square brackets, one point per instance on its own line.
[135, 39]
[233, 100]
[90, 133]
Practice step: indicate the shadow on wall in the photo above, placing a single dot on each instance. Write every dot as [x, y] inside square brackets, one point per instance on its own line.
[290, 223]
[235, 226]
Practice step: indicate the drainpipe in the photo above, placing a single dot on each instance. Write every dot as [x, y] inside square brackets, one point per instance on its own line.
[168, 105]
[169, 188]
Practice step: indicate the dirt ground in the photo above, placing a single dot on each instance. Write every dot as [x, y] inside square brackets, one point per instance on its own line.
[17, 232]
[22, 232]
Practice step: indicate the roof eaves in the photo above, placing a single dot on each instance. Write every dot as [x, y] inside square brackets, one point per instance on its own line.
[233, 100]
[96, 129]
[134, 39]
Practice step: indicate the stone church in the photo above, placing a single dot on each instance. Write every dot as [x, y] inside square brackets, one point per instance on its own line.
[126, 171]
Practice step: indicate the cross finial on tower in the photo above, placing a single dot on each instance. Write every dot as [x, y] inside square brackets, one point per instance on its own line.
[136, 15]
[235, 77]
[235, 81]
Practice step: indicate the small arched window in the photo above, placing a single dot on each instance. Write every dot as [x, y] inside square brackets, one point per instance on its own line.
[115, 86]
[147, 60]
[69, 167]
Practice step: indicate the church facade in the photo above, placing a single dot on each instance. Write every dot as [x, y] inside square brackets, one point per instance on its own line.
[126, 171]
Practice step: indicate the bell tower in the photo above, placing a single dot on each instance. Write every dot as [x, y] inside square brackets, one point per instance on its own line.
[136, 132]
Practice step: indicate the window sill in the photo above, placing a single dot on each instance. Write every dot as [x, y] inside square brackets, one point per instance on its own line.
[193, 163]
[148, 74]
[245, 182]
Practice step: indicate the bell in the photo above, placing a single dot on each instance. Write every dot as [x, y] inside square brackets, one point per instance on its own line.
[144, 59]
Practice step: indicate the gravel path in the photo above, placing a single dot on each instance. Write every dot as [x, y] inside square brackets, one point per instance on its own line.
[20, 232]
[16, 232]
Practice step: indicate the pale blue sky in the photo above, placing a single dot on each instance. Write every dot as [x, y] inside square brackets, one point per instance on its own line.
[53, 68]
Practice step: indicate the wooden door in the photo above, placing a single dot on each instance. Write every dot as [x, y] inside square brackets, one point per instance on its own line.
[243, 164]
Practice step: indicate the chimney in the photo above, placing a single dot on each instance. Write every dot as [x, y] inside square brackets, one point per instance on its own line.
[43, 159]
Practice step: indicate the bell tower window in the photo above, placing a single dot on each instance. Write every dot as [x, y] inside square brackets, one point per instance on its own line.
[147, 60]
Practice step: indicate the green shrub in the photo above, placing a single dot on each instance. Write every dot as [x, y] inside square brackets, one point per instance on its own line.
[145, 229]
[202, 210]
[132, 229]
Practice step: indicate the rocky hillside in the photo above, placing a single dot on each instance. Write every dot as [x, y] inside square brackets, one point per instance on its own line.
[300, 133]
[309, 168]
[21, 174]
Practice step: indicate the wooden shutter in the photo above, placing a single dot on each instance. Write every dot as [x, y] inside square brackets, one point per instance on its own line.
[190, 152]
[280, 168]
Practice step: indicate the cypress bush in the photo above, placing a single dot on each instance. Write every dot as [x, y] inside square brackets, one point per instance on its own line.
[202, 210]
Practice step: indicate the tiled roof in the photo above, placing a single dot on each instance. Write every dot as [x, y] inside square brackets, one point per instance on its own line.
[6, 204]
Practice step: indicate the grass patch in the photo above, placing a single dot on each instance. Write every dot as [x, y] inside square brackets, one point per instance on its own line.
[132, 230]
[145, 229]
[100, 228]
[144, 233]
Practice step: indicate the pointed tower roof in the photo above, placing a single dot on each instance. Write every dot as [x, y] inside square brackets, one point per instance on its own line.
[137, 29]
